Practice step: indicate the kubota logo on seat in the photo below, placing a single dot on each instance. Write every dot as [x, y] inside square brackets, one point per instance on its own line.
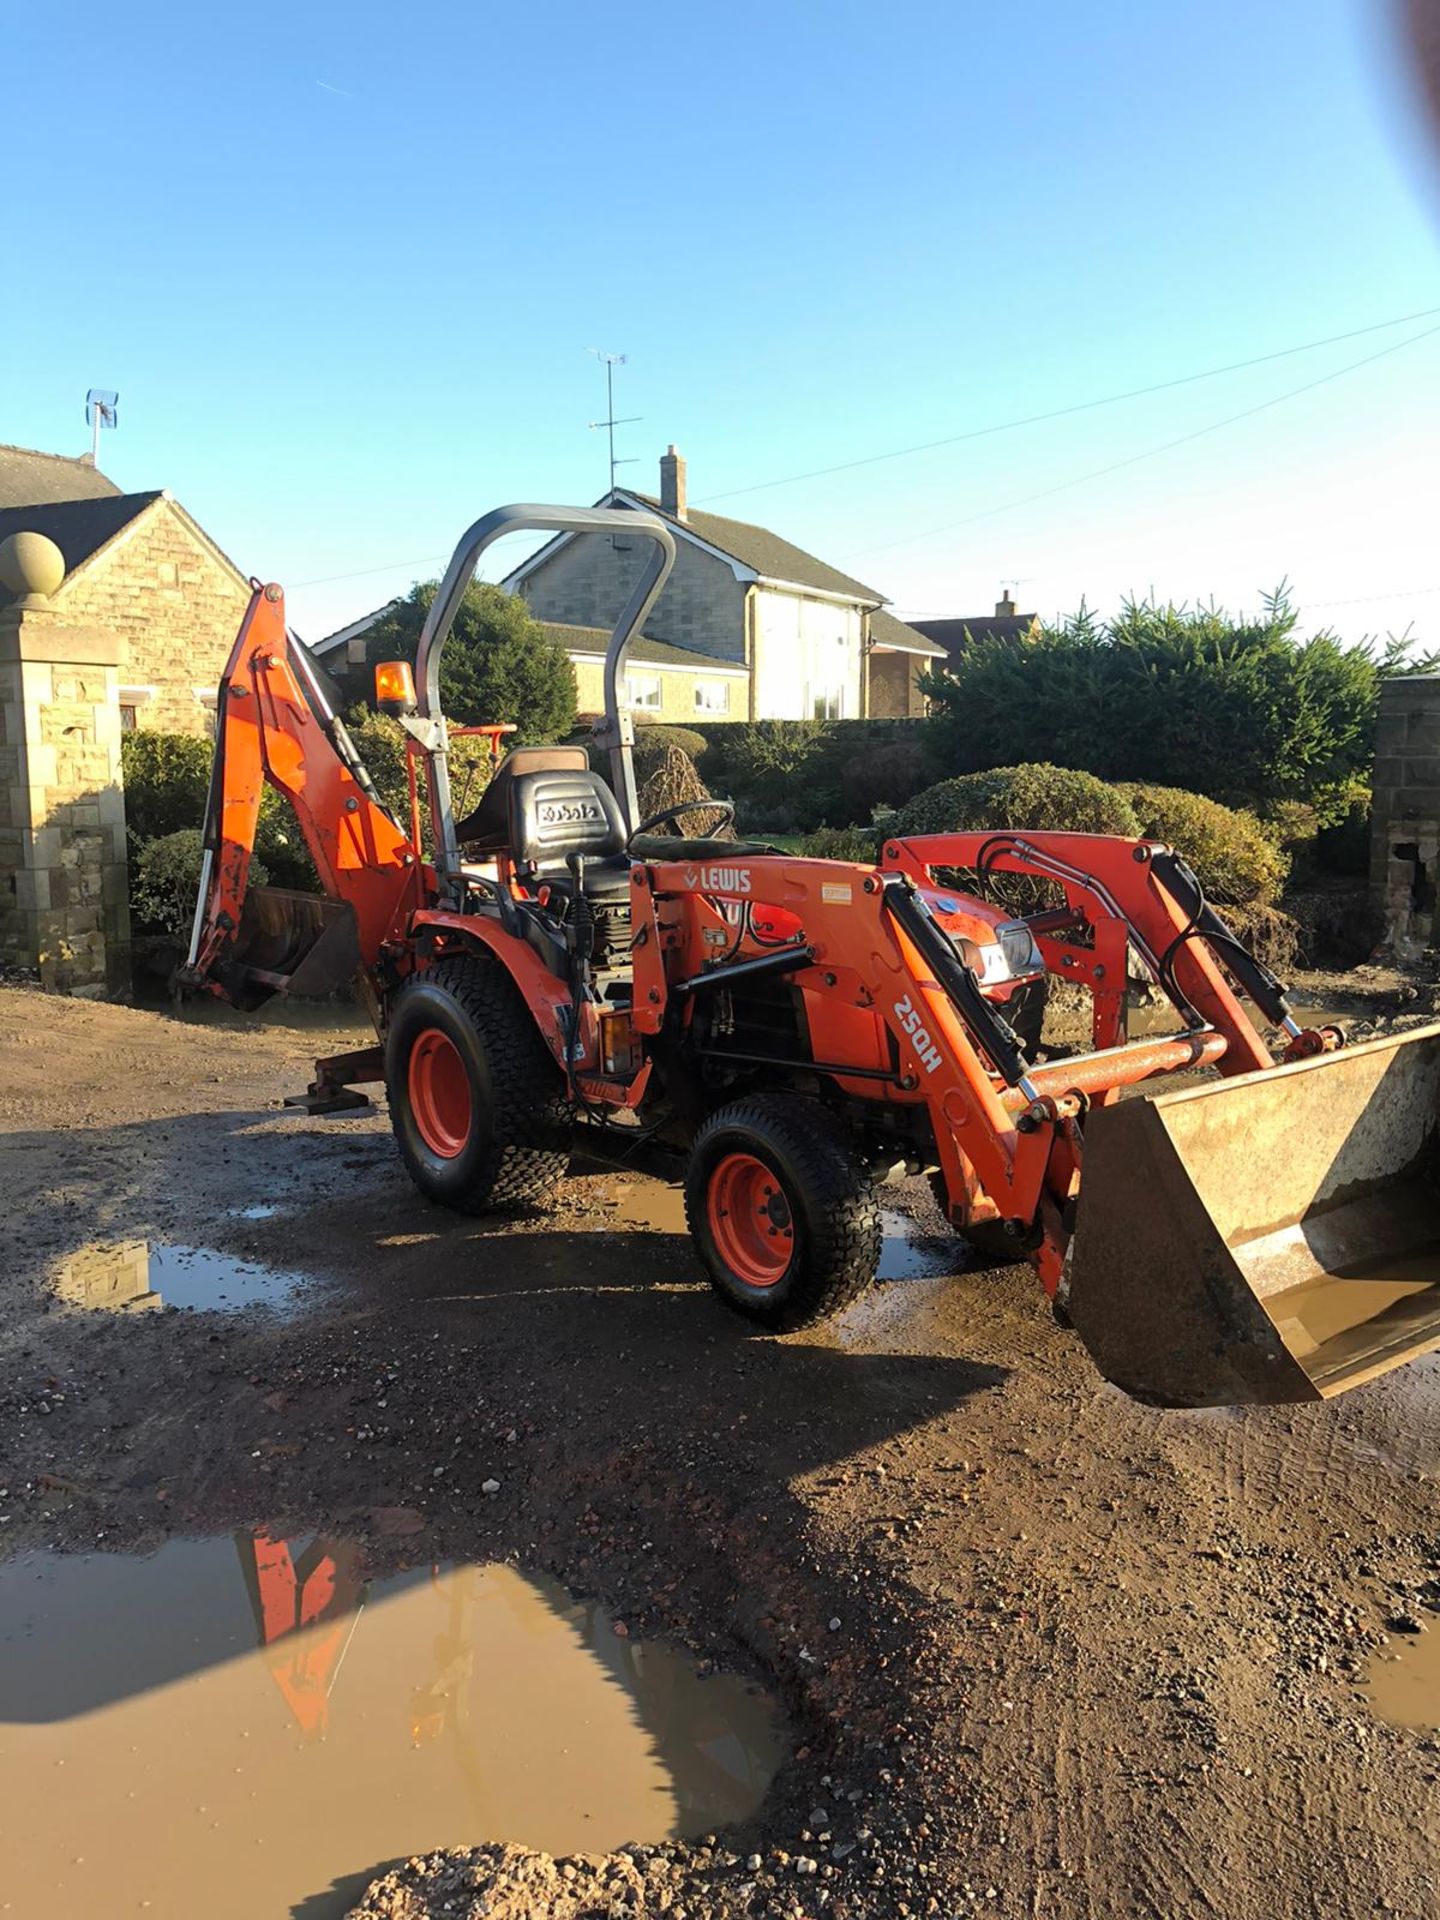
[566, 813]
[718, 879]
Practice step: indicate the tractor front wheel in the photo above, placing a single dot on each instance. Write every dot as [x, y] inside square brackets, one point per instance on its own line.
[782, 1211]
[476, 1100]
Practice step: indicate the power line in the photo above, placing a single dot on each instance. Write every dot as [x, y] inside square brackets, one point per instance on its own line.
[1166, 446]
[363, 573]
[1006, 426]
[1060, 413]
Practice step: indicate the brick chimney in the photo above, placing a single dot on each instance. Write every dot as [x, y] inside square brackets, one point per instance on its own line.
[672, 482]
[1004, 606]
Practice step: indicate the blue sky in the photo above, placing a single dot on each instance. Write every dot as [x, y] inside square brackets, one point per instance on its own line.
[343, 265]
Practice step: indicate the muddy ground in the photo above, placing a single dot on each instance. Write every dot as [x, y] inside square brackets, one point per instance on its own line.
[1045, 1652]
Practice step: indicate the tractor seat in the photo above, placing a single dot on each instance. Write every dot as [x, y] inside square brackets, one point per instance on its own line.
[543, 805]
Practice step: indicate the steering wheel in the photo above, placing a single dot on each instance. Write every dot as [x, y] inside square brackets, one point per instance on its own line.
[666, 815]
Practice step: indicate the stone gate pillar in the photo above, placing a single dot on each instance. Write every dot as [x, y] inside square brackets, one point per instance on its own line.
[1405, 814]
[64, 907]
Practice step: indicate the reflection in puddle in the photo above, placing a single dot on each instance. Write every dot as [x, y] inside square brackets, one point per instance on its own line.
[132, 1275]
[1404, 1686]
[262, 1210]
[244, 1726]
[903, 1256]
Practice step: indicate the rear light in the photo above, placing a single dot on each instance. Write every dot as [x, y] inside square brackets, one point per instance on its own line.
[394, 687]
[620, 1050]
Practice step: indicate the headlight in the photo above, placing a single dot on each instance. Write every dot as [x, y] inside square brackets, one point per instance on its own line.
[1017, 943]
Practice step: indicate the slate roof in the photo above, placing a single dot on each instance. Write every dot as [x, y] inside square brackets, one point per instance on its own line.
[659, 653]
[887, 631]
[757, 548]
[28, 477]
[953, 636]
[78, 527]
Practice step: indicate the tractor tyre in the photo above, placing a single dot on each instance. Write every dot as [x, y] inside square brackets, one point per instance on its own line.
[782, 1211]
[476, 1100]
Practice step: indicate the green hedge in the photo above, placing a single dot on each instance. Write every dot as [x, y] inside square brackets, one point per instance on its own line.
[167, 779]
[165, 879]
[792, 776]
[1238, 863]
[1036, 796]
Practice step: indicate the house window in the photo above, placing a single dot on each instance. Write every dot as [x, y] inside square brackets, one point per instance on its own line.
[127, 719]
[642, 691]
[828, 703]
[712, 696]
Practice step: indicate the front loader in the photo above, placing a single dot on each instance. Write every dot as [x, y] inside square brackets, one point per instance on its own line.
[1262, 1231]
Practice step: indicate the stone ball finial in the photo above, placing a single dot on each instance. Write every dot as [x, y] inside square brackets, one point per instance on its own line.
[32, 567]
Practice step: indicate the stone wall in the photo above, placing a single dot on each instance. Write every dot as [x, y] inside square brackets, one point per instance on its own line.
[175, 608]
[1405, 814]
[677, 693]
[63, 902]
[587, 582]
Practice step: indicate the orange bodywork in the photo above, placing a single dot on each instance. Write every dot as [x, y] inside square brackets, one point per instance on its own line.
[878, 961]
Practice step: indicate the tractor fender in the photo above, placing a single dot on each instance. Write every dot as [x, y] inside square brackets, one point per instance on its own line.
[544, 992]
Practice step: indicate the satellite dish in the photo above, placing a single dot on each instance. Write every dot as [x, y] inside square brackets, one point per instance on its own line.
[101, 407]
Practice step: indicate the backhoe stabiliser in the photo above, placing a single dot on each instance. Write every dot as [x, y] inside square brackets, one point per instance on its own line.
[1263, 1231]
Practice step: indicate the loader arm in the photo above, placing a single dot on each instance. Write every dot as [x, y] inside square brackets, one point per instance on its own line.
[274, 725]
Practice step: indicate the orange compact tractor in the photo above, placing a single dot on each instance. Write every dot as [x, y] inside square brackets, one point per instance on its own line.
[798, 1028]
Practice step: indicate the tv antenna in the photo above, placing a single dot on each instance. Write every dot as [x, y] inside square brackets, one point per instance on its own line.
[102, 409]
[610, 361]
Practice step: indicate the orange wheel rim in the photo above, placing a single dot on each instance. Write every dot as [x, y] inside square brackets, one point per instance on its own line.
[440, 1097]
[750, 1220]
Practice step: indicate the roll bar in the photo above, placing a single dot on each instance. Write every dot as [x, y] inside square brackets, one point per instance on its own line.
[617, 734]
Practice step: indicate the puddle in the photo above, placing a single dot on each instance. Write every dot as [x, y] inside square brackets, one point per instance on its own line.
[263, 1210]
[908, 1255]
[132, 1276]
[1405, 1687]
[245, 1727]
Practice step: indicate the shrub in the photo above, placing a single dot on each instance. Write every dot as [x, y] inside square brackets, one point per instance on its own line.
[1215, 705]
[766, 767]
[1035, 796]
[673, 783]
[652, 747]
[167, 781]
[841, 843]
[1238, 864]
[1344, 845]
[165, 878]
[499, 663]
[380, 741]
[887, 773]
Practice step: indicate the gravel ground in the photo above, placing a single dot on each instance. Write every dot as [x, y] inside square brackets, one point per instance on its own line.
[1046, 1652]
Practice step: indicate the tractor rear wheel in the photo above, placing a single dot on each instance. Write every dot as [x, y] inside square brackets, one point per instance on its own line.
[476, 1100]
[782, 1211]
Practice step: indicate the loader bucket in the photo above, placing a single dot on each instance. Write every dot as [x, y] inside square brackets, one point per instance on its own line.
[1273, 1237]
[288, 943]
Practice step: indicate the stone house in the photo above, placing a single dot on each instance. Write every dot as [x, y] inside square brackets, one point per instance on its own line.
[139, 567]
[810, 640]
[116, 611]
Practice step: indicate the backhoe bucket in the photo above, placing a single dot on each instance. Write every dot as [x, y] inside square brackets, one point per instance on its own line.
[1273, 1237]
[289, 943]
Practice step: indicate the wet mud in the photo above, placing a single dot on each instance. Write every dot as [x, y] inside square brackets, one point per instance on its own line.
[294, 1725]
[1040, 1650]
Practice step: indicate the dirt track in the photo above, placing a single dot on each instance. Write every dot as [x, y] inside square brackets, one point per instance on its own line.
[1092, 1660]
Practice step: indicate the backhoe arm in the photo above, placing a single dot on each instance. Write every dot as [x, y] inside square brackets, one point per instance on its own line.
[275, 725]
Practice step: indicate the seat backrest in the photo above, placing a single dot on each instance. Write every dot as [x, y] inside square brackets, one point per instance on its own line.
[486, 828]
[561, 811]
[544, 804]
